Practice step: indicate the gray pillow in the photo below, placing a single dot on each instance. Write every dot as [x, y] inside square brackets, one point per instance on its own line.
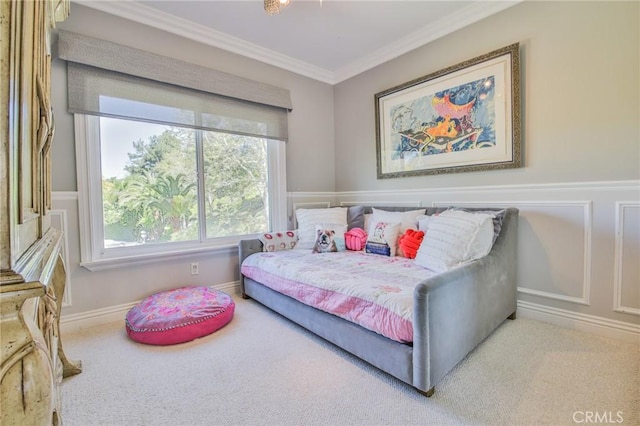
[355, 217]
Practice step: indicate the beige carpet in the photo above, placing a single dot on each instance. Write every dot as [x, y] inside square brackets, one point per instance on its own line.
[264, 370]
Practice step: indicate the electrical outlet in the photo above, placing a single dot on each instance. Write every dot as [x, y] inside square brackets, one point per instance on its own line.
[194, 269]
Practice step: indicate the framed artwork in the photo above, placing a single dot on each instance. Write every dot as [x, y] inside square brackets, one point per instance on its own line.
[460, 119]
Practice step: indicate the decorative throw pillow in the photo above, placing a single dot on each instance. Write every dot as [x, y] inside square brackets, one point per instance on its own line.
[355, 217]
[308, 218]
[329, 238]
[355, 239]
[383, 239]
[497, 215]
[455, 237]
[407, 220]
[409, 242]
[275, 241]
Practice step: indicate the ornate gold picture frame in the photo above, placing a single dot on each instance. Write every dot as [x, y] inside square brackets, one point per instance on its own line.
[460, 119]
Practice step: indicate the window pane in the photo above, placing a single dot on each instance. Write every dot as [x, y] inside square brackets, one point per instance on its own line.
[149, 183]
[236, 184]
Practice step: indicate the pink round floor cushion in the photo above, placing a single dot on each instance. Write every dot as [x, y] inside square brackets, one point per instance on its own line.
[179, 315]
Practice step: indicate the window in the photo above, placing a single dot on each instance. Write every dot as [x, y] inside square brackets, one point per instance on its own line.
[172, 157]
[153, 189]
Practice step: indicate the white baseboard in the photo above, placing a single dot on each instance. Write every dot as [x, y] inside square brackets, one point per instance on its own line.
[597, 325]
[75, 322]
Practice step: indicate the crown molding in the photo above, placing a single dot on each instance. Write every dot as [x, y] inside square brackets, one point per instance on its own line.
[154, 18]
[442, 27]
[163, 21]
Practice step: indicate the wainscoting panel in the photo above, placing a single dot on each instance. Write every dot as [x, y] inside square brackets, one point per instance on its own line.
[59, 221]
[568, 234]
[578, 259]
[627, 258]
[554, 247]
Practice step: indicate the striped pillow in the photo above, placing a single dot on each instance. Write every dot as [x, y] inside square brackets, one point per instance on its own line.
[455, 237]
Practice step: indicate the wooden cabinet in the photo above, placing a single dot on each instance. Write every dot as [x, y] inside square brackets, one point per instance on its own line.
[32, 273]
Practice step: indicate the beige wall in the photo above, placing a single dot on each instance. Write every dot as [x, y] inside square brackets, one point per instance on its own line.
[580, 121]
[311, 143]
[310, 122]
[580, 103]
[577, 191]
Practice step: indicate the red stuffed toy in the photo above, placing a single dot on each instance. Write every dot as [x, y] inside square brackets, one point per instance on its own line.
[409, 242]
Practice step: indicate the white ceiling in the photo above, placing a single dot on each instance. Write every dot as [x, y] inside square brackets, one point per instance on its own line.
[328, 40]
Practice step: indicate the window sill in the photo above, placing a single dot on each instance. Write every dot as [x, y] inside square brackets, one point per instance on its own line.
[143, 259]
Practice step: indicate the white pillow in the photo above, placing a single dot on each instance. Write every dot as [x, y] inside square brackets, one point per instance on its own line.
[383, 239]
[407, 220]
[330, 231]
[308, 218]
[455, 237]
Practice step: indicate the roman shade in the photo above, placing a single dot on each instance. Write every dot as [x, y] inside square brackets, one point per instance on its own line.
[112, 80]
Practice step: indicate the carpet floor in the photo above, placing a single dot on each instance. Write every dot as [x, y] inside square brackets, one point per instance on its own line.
[262, 369]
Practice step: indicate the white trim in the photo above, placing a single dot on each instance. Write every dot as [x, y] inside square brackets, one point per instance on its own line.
[311, 205]
[555, 296]
[320, 194]
[95, 257]
[143, 259]
[64, 195]
[433, 31]
[277, 184]
[157, 19]
[64, 227]
[618, 257]
[75, 322]
[305, 205]
[597, 325]
[416, 204]
[586, 250]
[81, 128]
[632, 185]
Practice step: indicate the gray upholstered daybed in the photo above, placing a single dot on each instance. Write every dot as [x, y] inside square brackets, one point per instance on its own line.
[452, 312]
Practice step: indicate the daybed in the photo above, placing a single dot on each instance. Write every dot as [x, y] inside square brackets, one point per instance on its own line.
[452, 312]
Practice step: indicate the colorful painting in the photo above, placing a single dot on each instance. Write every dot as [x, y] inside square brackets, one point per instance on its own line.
[463, 118]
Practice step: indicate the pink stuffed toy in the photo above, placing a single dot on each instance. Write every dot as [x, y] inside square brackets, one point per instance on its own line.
[355, 239]
[409, 242]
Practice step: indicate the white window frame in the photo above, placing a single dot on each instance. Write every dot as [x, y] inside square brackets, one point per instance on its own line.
[90, 207]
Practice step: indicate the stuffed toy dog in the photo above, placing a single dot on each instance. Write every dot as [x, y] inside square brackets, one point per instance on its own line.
[325, 241]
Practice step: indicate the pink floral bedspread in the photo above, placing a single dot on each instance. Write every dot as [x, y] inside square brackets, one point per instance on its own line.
[370, 290]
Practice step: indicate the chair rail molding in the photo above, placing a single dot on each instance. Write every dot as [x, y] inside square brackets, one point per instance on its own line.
[570, 274]
[64, 195]
[578, 241]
